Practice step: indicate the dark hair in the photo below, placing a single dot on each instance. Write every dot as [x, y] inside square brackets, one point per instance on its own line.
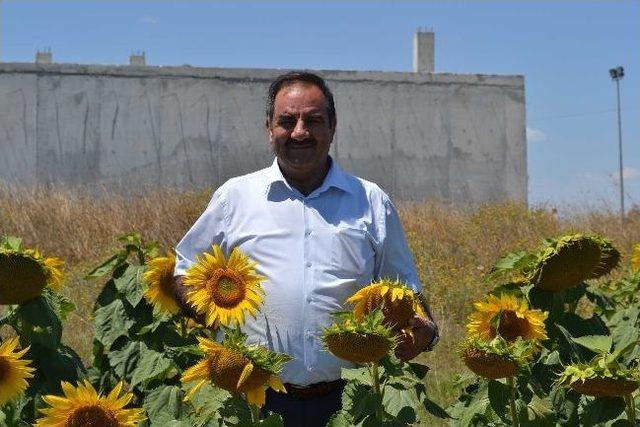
[299, 76]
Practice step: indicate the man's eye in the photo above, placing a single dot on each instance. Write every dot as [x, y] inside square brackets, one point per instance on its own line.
[286, 122]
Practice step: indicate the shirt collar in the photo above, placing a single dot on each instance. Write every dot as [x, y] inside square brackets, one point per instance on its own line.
[336, 177]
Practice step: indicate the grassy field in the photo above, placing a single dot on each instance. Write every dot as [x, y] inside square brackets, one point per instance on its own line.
[454, 248]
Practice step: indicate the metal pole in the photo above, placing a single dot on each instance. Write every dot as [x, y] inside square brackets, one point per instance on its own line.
[620, 155]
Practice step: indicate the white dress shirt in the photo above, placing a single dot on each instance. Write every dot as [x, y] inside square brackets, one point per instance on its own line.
[315, 251]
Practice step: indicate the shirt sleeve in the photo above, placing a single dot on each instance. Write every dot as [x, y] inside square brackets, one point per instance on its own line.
[210, 229]
[394, 260]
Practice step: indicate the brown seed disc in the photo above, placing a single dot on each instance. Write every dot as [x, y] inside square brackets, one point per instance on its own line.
[572, 262]
[609, 259]
[91, 416]
[21, 278]
[358, 348]
[396, 314]
[225, 368]
[605, 387]
[488, 365]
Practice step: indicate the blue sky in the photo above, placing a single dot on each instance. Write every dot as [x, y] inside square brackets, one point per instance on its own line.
[564, 49]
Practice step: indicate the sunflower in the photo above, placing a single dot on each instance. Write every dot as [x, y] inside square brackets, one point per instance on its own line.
[82, 406]
[22, 276]
[237, 367]
[359, 341]
[566, 261]
[159, 279]
[599, 379]
[635, 257]
[496, 358]
[508, 317]
[398, 302]
[609, 258]
[14, 371]
[224, 289]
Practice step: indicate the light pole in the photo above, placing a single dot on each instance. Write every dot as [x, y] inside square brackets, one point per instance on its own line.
[617, 74]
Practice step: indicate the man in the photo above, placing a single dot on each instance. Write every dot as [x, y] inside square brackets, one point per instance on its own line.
[317, 234]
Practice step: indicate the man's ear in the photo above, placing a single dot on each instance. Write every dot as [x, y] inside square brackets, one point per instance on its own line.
[267, 127]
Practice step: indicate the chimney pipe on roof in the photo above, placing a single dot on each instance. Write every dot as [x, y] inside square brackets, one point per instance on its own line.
[423, 51]
[44, 56]
[137, 59]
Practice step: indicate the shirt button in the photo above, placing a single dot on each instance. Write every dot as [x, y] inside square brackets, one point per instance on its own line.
[309, 299]
[308, 233]
[308, 264]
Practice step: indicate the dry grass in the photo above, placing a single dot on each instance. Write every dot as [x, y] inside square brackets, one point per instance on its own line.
[454, 248]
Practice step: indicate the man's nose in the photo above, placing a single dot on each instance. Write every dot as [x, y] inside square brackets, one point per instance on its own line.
[300, 131]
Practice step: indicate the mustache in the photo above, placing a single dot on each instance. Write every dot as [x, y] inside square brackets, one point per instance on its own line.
[306, 141]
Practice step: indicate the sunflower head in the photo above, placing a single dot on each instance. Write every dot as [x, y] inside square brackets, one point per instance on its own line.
[599, 379]
[496, 358]
[14, 371]
[609, 258]
[359, 341]
[82, 406]
[237, 367]
[159, 280]
[222, 289]
[635, 257]
[397, 301]
[566, 262]
[507, 316]
[22, 277]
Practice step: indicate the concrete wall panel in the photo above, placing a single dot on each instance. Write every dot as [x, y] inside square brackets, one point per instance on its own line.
[451, 137]
[18, 128]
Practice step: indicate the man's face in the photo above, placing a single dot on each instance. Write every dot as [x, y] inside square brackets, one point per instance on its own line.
[301, 132]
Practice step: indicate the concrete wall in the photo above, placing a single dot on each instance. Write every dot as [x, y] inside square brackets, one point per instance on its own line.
[453, 137]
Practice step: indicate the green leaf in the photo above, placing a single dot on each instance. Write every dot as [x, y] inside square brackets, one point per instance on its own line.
[419, 370]
[129, 283]
[514, 261]
[597, 343]
[110, 323]
[340, 419]
[359, 375]
[152, 365]
[11, 243]
[207, 403]
[363, 401]
[602, 410]
[39, 322]
[540, 410]
[435, 409]
[107, 266]
[499, 398]
[124, 361]
[163, 404]
[273, 420]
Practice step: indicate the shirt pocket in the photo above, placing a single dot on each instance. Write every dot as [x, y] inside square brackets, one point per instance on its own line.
[352, 254]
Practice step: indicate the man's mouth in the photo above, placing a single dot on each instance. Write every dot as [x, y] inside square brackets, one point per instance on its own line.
[300, 145]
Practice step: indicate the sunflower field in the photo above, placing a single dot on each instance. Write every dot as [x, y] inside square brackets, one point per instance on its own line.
[552, 339]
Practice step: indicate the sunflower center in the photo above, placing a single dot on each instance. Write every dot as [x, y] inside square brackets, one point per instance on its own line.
[90, 416]
[226, 288]
[4, 369]
[511, 326]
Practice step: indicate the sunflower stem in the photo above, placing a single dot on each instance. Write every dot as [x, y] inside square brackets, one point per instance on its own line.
[512, 402]
[375, 374]
[255, 414]
[183, 327]
[630, 408]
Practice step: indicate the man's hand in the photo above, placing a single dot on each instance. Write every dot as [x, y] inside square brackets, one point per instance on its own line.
[180, 295]
[423, 332]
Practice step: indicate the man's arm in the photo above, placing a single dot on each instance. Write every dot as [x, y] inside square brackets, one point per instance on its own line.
[396, 262]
